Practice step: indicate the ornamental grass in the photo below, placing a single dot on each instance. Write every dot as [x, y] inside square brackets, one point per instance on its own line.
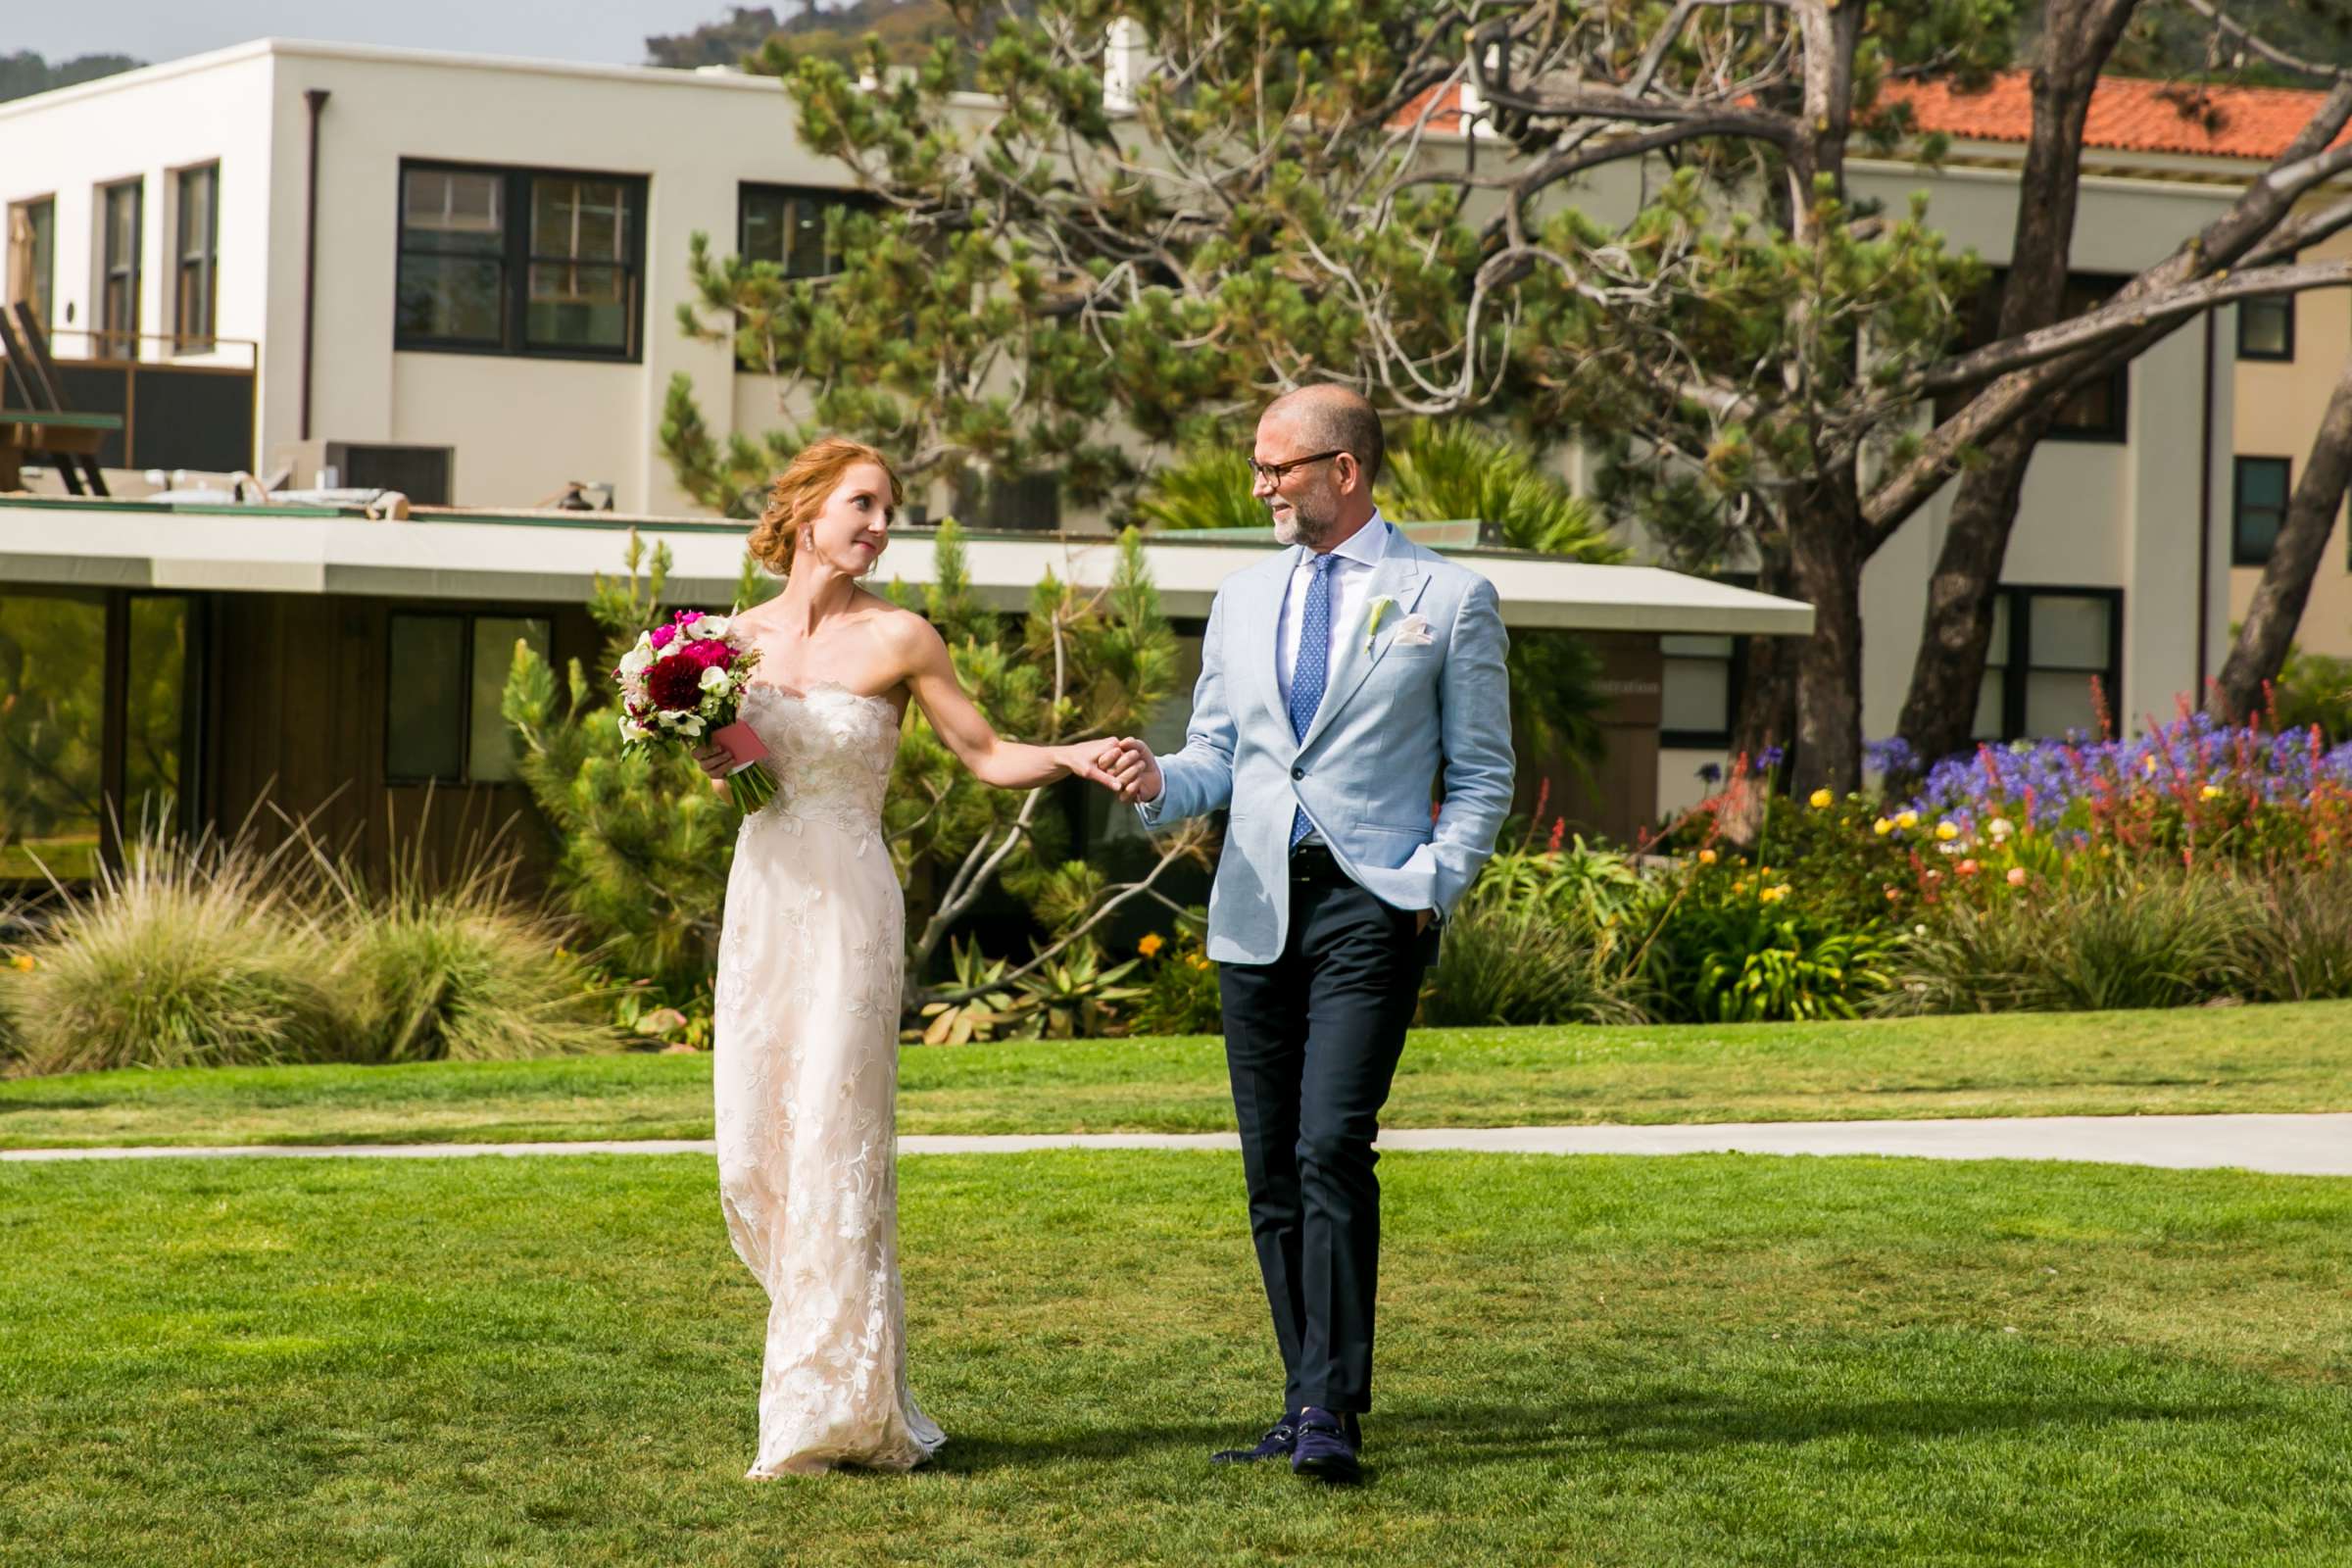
[207, 952]
[460, 970]
[226, 951]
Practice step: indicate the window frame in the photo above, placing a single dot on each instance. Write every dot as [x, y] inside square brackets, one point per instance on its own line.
[40, 269]
[130, 271]
[2241, 464]
[515, 259]
[467, 621]
[207, 266]
[2281, 301]
[1983, 320]
[2018, 667]
[1734, 677]
[848, 199]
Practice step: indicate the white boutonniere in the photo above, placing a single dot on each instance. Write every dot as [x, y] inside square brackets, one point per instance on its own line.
[1372, 618]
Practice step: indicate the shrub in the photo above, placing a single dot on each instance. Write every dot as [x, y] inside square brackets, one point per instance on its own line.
[1506, 962]
[462, 972]
[2298, 945]
[2146, 937]
[1722, 945]
[1180, 988]
[194, 953]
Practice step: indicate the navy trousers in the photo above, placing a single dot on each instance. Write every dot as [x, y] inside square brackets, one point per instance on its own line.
[1311, 1040]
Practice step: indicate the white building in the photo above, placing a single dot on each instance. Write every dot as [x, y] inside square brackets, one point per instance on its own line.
[460, 277]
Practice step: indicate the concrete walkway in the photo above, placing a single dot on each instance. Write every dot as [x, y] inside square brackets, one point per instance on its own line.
[2299, 1145]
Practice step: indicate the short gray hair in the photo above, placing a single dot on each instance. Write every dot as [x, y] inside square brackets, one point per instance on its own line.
[1337, 418]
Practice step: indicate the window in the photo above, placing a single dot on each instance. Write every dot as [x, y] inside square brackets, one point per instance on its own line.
[197, 223]
[100, 692]
[2047, 646]
[122, 208]
[786, 225]
[1697, 676]
[2266, 327]
[422, 474]
[442, 721]
[2094, 411]
[2258, 507]
[32, 255]
[1026, 503]
[516, 261]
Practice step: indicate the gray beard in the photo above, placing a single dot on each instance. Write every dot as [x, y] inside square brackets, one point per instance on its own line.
[1295, 530]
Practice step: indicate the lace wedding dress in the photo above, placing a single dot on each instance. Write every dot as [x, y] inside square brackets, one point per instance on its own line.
[806, 1072]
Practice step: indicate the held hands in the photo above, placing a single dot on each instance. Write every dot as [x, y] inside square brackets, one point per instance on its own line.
[1129, 770]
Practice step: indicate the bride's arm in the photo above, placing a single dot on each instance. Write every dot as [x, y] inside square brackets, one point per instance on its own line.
[1008, 764]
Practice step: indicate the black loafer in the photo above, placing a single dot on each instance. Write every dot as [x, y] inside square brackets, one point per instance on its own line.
[1277, 1444]
[1324, 1449]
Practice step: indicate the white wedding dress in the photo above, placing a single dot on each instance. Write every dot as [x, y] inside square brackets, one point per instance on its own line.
[805, 1074]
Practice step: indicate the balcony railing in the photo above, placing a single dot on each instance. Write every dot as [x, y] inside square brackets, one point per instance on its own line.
[178, 412]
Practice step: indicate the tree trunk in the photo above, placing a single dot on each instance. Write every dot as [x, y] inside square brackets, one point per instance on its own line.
[1827, 555]
[2264, 636]
[1940, 709]
[1766, 718]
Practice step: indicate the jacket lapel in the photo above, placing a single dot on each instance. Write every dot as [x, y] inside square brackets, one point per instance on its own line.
[1400, 578]
[1262, 611]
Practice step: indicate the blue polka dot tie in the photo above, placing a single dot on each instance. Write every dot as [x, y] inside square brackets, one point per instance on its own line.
[1313, 666]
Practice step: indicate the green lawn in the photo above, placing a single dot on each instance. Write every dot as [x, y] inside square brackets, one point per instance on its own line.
[1698, 1360]
[2295, 1057]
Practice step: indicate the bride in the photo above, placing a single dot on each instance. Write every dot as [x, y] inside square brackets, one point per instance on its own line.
[809, 962]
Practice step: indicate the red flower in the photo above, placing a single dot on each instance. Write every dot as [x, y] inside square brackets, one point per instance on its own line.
[709, 650]
[674, 682]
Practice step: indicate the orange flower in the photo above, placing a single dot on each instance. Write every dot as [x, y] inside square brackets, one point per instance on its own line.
[1152, 943]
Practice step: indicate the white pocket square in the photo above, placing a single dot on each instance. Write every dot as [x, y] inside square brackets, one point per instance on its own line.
[1412, 632]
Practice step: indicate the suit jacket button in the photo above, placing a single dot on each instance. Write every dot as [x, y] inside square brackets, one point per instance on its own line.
[1298, 772]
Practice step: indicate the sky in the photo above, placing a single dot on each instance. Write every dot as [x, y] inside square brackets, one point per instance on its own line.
[600, 31]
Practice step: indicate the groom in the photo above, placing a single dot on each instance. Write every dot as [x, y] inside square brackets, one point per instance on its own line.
[1344, 685]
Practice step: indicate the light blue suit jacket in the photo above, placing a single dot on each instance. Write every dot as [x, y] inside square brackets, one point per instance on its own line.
[1395, 721]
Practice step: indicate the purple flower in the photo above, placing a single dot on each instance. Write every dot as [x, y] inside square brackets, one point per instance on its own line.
[1710, 773]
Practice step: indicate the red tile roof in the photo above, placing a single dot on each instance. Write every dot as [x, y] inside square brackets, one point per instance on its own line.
[2126, 115]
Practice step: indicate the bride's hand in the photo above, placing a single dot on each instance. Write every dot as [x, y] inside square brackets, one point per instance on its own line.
[1090, 760]
[713, 759]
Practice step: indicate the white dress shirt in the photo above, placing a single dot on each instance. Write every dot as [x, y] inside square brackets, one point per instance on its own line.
[1350, 585]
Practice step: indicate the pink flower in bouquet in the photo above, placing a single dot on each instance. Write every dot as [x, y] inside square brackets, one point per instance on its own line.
[663, 636]
[711, 650]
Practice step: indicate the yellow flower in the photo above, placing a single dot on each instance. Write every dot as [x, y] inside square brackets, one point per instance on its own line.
[1883, 826]
[2147, 764]
[23, 961]
[2210, 792]
[1775, 895]
[1820, 798]
[1946, 831]
[1906, 818]
[1706, 856]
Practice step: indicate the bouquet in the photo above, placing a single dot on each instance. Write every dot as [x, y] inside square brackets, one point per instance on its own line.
[685, 680]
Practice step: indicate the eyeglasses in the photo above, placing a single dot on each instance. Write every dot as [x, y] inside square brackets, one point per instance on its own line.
[1275, 473]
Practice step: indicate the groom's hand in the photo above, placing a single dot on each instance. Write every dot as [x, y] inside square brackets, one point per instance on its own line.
[1135, 772]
